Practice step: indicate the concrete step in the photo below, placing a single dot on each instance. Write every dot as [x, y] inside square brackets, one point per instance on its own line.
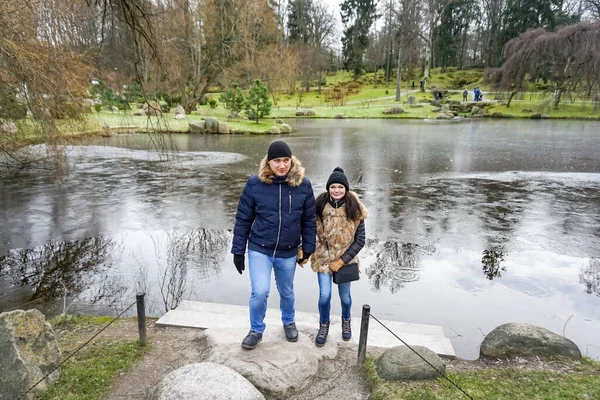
[213, 315]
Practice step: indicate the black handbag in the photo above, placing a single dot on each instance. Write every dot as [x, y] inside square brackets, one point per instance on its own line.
[347, 273]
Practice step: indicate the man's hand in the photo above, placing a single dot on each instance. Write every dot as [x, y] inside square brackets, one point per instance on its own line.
[336, 265]
[238, 260]
[302, 257]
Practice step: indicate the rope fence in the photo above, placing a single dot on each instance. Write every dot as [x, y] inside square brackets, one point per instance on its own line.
[362, 345]
[140, 300]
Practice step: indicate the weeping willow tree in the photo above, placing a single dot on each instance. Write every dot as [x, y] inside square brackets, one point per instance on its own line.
[48, 51]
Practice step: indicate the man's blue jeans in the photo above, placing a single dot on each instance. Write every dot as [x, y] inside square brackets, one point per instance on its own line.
[260, 266]
[325, 283]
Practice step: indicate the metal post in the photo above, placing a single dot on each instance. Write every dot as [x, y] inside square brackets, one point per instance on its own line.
[364, 330]
[141, 316]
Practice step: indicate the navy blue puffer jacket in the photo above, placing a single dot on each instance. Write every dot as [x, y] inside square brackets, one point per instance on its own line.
[275, 215]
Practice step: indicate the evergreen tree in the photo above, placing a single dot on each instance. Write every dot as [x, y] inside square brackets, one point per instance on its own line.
[299, 22]
[357, 16]
[233, 98]
[258, 104]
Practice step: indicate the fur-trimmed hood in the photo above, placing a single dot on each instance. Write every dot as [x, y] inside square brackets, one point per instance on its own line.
[294, 177]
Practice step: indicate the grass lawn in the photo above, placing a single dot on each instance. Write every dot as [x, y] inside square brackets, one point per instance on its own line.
[582, 381]
[89, 374]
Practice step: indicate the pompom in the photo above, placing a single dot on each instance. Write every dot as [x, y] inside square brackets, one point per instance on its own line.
[338, 169]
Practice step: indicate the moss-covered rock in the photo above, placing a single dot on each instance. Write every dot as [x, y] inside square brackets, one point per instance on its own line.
[28, 351]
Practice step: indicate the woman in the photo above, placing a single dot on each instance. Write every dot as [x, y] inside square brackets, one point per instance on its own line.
[340, 236]
[275, 215]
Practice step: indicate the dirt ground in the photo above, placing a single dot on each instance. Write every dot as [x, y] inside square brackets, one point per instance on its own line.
[172, 348]
[341, 378]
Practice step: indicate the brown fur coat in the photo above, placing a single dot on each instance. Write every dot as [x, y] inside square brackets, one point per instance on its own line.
[294, 177]
[335, 233]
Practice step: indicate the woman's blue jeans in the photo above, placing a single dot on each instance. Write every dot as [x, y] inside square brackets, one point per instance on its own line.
[325, 283]
[260, 266]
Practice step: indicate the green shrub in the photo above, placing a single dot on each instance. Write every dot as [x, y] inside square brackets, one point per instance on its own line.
[98, 107]
[213, 103]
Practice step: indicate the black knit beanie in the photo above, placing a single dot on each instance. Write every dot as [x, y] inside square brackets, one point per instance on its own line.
[279, 149]
[338, 176]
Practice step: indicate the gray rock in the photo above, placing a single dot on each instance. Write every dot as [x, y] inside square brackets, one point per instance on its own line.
[285, 128]
[197, 127]
[436, 103]
[223, 128]
[211, 124]
[445, 115]
[279, 121]
[436, 110]
[179, 110]
[525, 340]
[234, 115]
[445, 107]
[475, 110]
[114, 109]
[401, 364]
[8, 127]
[340, 116]
[275, 130]
[179, 116]
[139, 113]
[276, 367]
[205, 381]
[309, 113]
[394, 110]
[28, 351]
[412, 100]
[152, 108]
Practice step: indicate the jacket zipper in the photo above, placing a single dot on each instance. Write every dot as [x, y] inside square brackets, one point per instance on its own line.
[279, 229]
[290, 202]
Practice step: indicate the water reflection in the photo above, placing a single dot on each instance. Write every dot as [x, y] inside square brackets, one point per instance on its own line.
[396, 264]
[590, 277]
[58, 269]
[491, 260]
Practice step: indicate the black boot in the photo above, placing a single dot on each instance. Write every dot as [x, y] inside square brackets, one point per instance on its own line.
[291, 333]
[251, 340]
[346, 329]
[322, 335]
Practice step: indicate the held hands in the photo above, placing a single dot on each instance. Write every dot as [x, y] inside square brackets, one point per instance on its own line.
[238, 260]
[302, 257]
[336, 265]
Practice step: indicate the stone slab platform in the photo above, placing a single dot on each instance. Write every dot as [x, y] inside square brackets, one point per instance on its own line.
[204, 315]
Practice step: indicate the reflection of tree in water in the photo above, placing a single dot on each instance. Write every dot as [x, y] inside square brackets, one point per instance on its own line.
[590, 276]
[396, 264]
[202, 250]
[491, 260]
[57, 268]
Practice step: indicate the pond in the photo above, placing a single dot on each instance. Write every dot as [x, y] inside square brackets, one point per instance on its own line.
[472, 224]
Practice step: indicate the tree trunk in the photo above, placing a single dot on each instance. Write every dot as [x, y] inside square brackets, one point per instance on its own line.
[427, 60]
[510, 97]
[557, 96]
[399, 73]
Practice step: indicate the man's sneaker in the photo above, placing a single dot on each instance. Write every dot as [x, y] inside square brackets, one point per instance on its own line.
[346, 329]
[322, 335]
[251, 340]
[291, 333]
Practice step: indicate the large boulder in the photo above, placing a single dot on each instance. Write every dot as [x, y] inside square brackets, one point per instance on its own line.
[274, 130]
[279, 121]
[445, 115]
[28, 351]
[211, 125]
[205, 381]
[234, 115]
[197, 127]
[525, 340]
[285, 128]
[394, 110]
[152, 108]
[223, 128]
[276, 367]
[139, 113]
[179, 116]
[305, 113]
[402, 364]
[179, 110]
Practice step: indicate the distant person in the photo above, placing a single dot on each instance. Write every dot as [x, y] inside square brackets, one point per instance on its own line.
[475, 94]
[480, 94]
[422, 86]
[465, 94]
[275, 216]
[413, 85]
[340, 237]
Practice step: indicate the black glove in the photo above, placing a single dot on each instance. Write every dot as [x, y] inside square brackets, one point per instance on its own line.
[238, 260]
[305, 257]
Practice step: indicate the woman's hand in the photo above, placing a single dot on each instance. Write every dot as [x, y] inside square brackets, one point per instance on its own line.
[336, 265]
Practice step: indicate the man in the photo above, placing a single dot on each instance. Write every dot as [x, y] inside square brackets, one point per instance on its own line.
[275, 216]
[465, 94]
